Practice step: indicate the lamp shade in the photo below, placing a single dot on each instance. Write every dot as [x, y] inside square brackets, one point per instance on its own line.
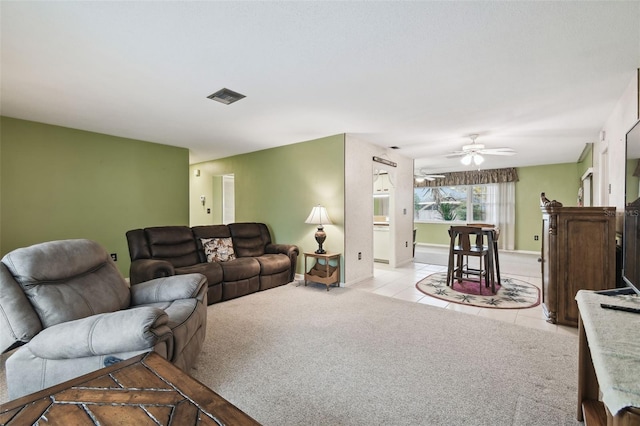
[318, 216]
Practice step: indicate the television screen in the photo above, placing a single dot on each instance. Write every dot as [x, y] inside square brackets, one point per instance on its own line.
[631, 230]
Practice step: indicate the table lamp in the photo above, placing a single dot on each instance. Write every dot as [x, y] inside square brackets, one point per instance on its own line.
[319, 216]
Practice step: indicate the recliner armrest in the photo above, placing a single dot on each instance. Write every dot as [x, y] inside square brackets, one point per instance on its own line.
[288, 249]
[142, 270]
[18, 321]
[103, 334]
[168, 289]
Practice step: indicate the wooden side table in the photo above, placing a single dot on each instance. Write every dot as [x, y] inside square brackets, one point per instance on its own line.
[143, 390]
[322, 271]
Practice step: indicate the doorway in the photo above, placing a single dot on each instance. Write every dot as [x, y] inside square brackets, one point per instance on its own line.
[605, 186]
[382, 215]
[228, 199]
[584, 199]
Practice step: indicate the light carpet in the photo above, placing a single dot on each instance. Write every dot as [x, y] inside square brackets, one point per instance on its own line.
[511, 293]
[304, 356]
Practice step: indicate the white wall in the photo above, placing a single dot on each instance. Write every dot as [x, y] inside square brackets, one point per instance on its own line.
[622, 118]
[358, 224]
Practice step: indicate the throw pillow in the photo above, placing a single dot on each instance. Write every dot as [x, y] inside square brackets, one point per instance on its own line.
[218, 249]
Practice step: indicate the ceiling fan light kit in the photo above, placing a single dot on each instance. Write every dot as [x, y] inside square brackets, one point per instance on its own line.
[470, 154]
[473, 152]
[477, 159]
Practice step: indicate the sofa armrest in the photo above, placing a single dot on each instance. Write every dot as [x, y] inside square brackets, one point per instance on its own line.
[103, 334]
[142, 270]
[168, 289]
[290, 250]
[18, 321]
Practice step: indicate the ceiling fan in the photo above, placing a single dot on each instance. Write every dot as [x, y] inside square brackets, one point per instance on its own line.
[421, 176]
[474, 152]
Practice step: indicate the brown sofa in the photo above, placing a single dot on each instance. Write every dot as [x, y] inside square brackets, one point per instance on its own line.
[172, 250]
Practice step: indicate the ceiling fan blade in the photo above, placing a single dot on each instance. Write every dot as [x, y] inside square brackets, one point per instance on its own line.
[456, 154]
[431, 178]
[428, 176]
[497, 151]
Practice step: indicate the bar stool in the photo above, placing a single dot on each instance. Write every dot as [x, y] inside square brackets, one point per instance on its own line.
[494, 239]
[460, 248]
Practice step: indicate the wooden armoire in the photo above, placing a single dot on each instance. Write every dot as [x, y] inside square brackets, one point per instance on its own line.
[578, 253]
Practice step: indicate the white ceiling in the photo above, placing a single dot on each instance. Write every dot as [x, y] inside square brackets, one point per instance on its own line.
[539, 77]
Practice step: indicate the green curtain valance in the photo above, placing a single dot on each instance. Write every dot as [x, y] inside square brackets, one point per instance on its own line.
[473, 177]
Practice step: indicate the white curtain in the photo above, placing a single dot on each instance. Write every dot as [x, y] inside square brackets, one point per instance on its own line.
[506, 212]
[501, 202]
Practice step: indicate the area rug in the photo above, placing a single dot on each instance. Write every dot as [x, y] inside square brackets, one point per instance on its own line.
[511, 293]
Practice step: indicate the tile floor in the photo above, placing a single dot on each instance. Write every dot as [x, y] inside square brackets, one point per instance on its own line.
[400, 284]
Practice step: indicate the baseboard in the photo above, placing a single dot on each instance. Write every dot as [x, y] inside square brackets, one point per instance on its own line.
[404, 262]
[522, 252]
[355, 281]
[445, 246]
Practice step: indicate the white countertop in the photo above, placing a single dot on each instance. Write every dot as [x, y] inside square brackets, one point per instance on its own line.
[614, 342]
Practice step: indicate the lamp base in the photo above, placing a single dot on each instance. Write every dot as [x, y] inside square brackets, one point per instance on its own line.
[320, 237]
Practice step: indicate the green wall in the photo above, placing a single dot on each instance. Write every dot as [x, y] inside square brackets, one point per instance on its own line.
[279, 186]
[432, 233]
[60, 183]
[559, 181]
[586, 162]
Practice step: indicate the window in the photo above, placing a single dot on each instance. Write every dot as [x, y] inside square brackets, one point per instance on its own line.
[462, 203]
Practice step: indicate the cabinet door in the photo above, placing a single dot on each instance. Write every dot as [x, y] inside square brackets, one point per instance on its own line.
[586, 260]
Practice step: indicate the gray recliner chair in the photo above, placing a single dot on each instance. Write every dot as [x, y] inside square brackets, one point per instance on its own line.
[70, 312]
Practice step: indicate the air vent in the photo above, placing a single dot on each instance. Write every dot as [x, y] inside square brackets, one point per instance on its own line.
[226, 96]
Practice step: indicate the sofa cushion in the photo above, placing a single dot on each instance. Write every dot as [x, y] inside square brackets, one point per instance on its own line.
[218, 249]
[273, 263]
[240, 269]
[248, 239]
[213, 271]
[211, 231]
[174, 244]
[138, 247]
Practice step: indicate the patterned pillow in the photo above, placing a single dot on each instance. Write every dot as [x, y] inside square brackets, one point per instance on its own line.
[218, 249]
